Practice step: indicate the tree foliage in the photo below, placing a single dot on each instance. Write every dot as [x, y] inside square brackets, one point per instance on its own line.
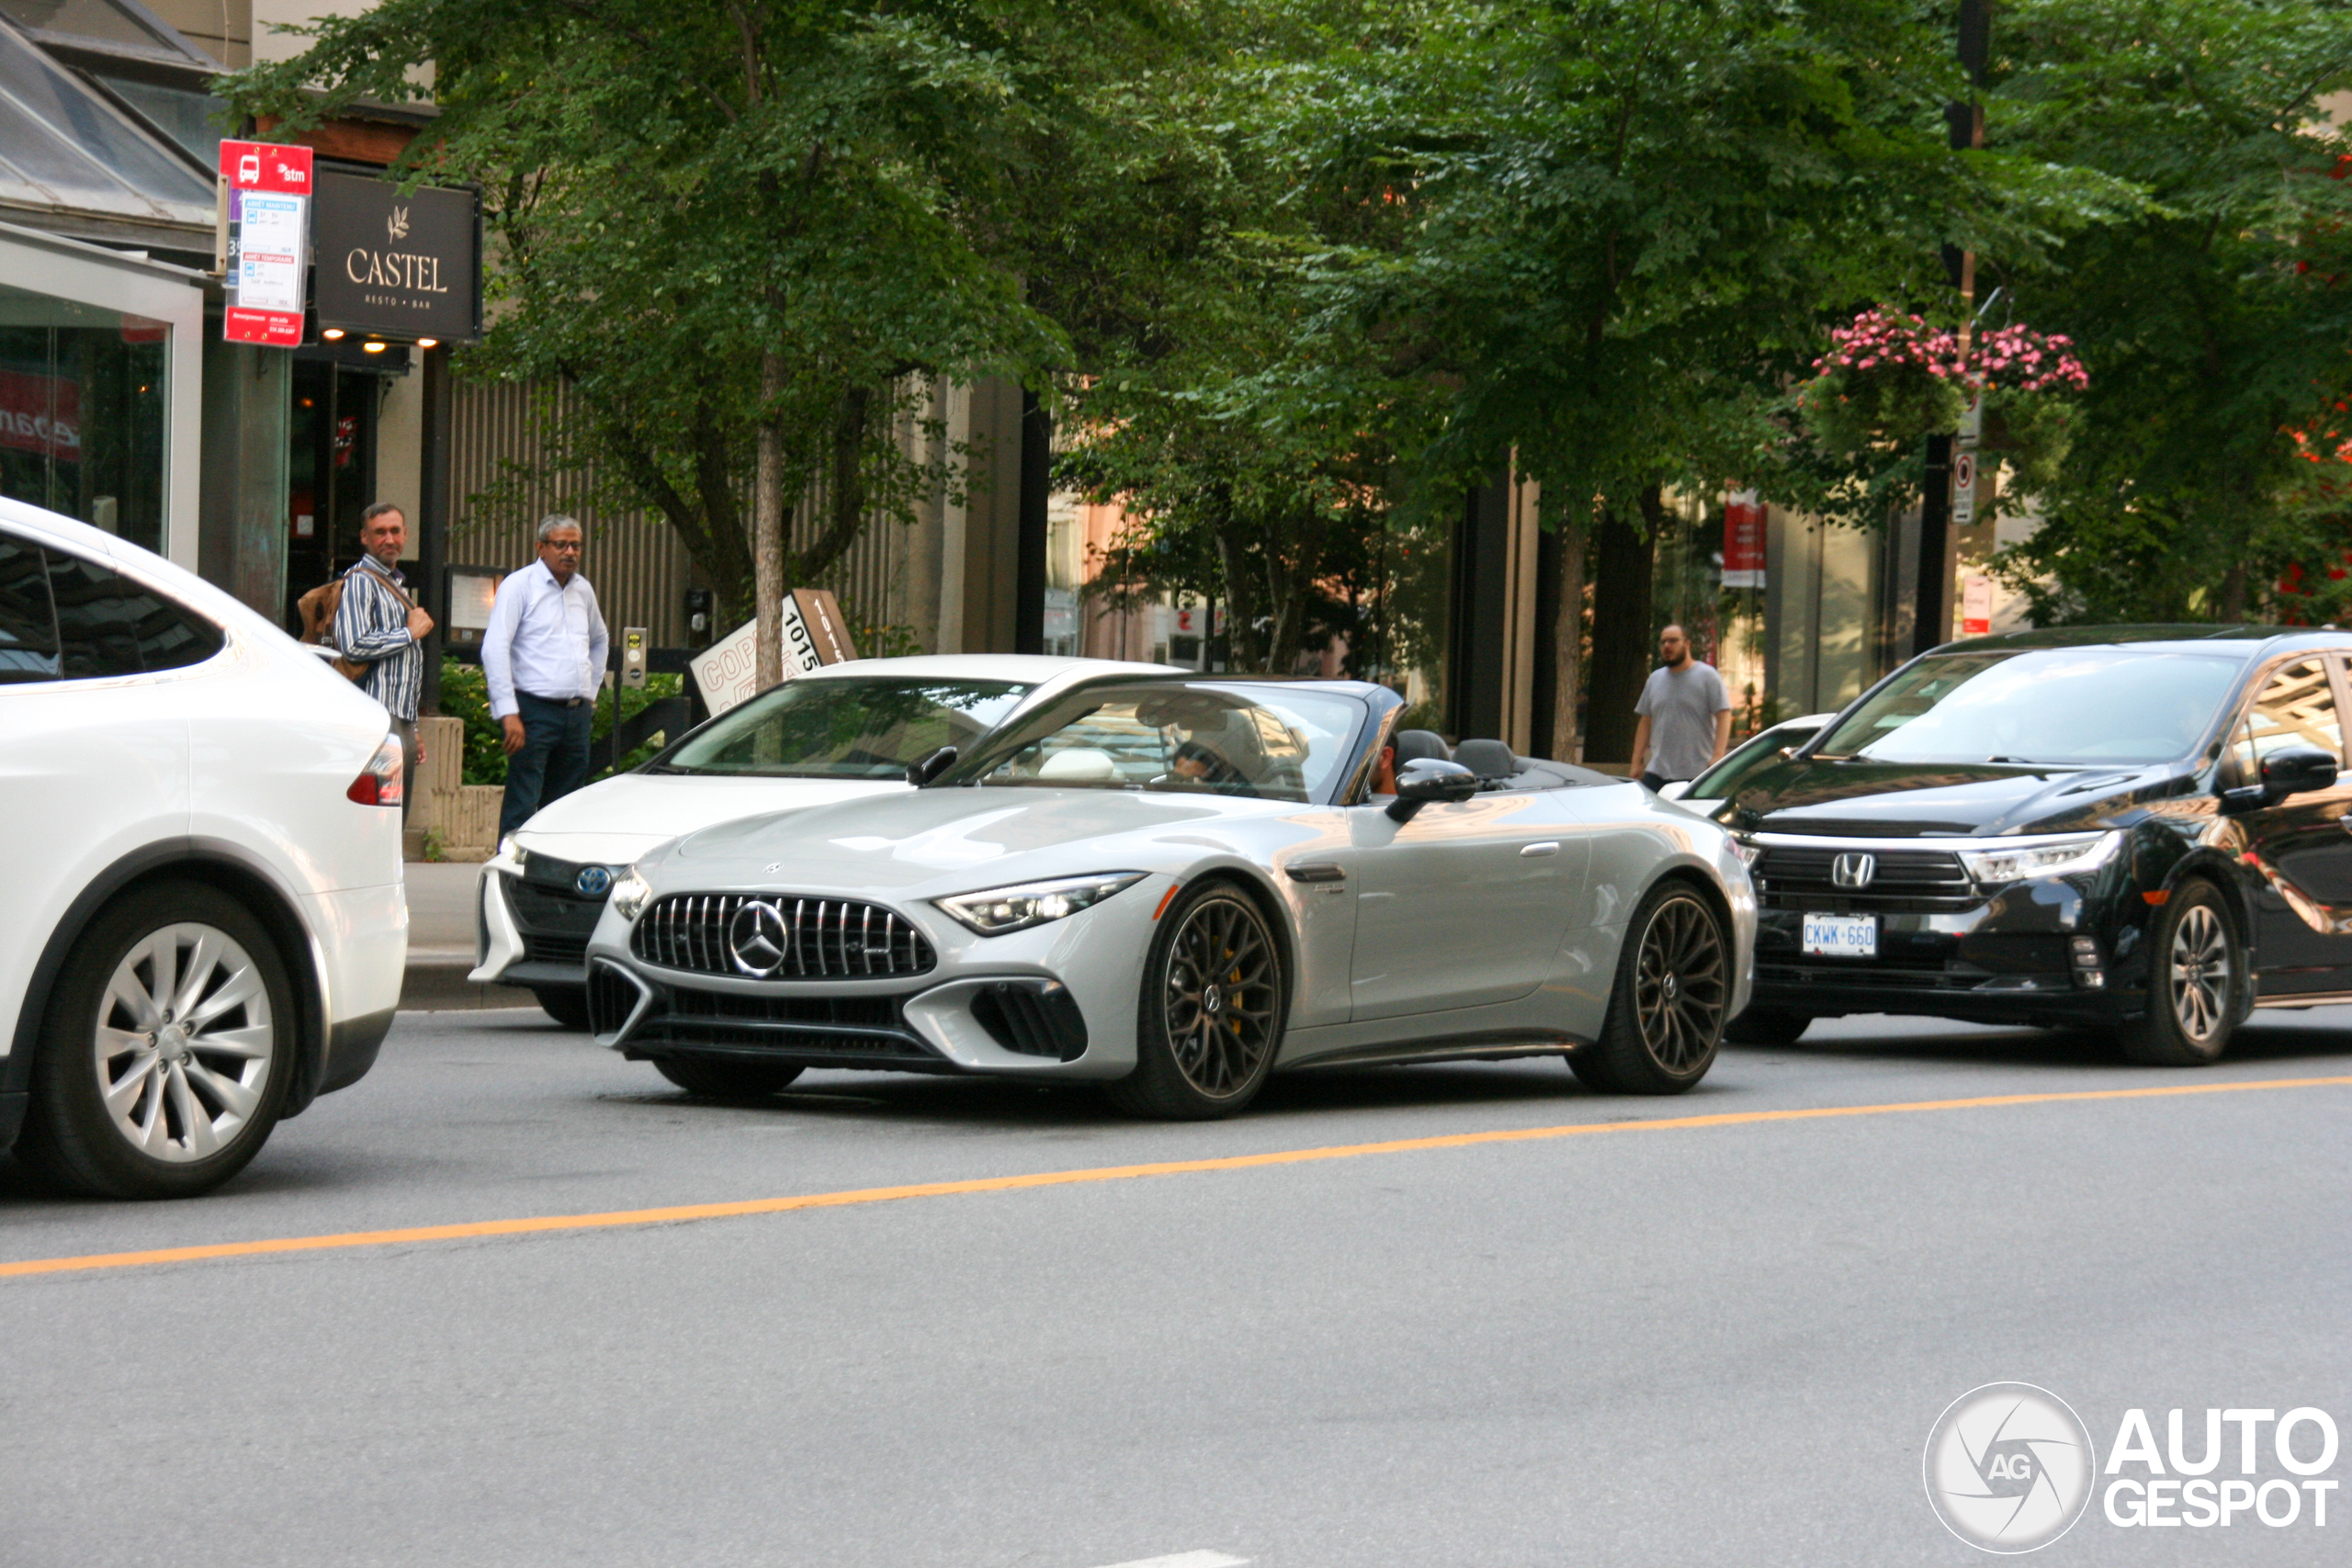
[761, 219]
[2216, 318]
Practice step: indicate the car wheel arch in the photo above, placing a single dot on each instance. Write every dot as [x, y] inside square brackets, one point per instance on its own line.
[1269, 905]
[217, 865]
[2238, 887]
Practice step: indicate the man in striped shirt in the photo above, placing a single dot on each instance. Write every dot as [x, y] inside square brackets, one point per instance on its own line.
[375, 624]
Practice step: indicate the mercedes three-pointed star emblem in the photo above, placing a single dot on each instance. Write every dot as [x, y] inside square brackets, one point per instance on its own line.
[758, 938]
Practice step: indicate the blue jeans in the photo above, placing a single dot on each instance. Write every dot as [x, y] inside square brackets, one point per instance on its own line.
[553, 761]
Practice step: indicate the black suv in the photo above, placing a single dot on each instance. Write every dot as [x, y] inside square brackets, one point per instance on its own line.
[2136, 828]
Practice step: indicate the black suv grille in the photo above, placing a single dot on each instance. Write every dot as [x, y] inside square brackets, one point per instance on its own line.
[1793, 877]
[811, 938]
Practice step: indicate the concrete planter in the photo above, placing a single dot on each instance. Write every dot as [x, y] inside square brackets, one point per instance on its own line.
[463, 817]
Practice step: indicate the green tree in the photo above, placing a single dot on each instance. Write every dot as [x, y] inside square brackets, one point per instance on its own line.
[2216, 321]
[1616, 230]
[739, 232]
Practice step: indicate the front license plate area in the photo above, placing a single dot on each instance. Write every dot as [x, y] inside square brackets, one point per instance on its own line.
[1841, 936]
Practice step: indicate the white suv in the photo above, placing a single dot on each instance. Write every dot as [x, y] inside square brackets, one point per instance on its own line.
[204, 925]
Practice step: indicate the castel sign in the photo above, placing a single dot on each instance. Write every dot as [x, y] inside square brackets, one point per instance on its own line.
[405, 263]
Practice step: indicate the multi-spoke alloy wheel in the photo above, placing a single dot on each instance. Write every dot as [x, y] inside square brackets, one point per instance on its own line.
[2197, 971]
[2201, 974]
[1214, 1006]
[1666, 1013]
[1680, 985]
[166, 1048]
[183, 1042]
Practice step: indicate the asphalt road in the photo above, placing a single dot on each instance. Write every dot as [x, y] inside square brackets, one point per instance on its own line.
[1714, 1343]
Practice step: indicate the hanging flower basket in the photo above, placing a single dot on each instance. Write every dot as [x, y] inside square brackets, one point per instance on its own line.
[1888, 380]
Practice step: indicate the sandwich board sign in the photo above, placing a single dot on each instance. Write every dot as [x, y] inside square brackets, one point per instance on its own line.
[814, 636]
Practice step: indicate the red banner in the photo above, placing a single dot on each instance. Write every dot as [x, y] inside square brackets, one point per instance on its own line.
[1743, 540]
[41, 414]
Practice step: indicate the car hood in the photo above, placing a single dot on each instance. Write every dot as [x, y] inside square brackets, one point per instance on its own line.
[617, 820]
[977, 838]
[1902, 799]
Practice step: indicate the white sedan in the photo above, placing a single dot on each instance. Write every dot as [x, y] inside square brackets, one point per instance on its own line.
[840, 733]
[206, 926]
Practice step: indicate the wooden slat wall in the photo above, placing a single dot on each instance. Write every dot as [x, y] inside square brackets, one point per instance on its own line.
[890, 576]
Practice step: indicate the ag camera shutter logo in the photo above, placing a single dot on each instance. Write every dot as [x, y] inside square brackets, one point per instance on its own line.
[2009, 1467]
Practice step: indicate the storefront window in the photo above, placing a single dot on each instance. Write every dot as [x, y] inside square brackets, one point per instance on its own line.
[82, 412]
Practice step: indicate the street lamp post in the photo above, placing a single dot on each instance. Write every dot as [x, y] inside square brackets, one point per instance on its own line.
[1932, 623]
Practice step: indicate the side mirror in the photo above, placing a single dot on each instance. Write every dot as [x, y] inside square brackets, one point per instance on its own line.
[920, 774]
[1426, 779]
[2297, 770]
[2293, 770]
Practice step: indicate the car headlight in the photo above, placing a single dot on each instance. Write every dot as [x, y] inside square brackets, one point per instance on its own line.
[630, 893]
[997, 910]
[2059, 858]
[509, 849]
[1747, 848]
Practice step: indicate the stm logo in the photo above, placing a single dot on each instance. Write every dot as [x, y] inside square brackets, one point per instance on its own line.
[2008, 1467]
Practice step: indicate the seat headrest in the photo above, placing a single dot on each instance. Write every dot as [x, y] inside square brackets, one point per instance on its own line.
[1487, 759]
[1420, 745]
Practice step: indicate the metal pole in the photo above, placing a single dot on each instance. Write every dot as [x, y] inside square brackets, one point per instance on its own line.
[1932, 624]
[433, 520]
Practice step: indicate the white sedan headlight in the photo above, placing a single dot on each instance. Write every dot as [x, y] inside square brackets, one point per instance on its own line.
[508, 850]
[630, 893]
[997, 910]
[2057, 858]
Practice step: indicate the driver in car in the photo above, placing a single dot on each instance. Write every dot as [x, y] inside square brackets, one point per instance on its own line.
[1201, 763]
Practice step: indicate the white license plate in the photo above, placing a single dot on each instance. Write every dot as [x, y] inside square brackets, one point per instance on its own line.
[1841, 936]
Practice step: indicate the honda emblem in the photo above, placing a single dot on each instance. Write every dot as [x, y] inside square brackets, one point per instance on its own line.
[1854, 871]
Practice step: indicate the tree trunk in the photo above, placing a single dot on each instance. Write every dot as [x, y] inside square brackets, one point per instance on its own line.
[2230, 606]
[1621, 637]
[767, 527]
[1568, 638]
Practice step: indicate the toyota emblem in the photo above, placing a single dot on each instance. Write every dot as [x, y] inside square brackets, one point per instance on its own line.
[757, 939]
[1854, 871]
[593, 881]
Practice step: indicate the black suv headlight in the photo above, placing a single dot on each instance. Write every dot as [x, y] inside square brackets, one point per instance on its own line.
[2043, 857]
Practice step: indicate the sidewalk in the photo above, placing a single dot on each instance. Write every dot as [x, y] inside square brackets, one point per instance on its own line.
[441, 942]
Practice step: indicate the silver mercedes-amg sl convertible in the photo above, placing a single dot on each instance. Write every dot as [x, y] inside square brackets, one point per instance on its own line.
[1175, 886]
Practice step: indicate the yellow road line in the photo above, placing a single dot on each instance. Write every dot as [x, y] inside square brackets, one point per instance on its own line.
[684, 1212]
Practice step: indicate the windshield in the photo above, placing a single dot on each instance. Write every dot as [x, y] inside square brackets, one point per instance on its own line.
[1749, 757]
[2082, 707]
[1271, 742]
[844, 727]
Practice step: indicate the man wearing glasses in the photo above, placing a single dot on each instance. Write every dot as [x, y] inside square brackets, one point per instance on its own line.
[543, 658]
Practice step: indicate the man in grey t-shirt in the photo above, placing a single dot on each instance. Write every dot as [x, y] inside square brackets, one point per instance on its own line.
[1685, 718]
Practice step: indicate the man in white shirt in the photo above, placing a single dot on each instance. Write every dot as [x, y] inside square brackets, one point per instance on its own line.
[543, 658]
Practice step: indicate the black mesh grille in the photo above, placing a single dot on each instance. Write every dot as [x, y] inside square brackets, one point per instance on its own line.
[808, 939]
[553, 919]
[1802, 878]
[866, 1030]
[1035, 1020]
[611, 997]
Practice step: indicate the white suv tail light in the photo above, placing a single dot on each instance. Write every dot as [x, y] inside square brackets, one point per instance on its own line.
[380, 782]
